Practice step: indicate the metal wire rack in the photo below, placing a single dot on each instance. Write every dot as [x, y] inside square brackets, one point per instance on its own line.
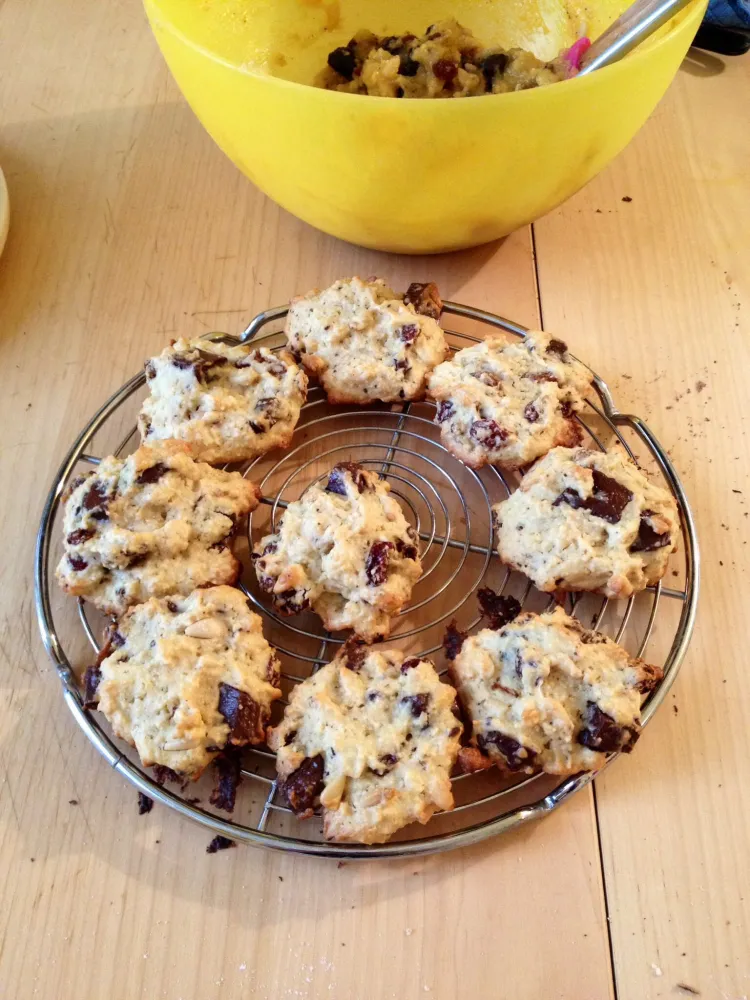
[449, 506]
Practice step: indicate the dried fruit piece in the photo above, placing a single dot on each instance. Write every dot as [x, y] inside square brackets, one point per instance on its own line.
[445, 411]
[453, 640]
[80, 536]
[497, 609]
[376, 565]
[91, 679]
[417, 704]
[516, 756]
[425, 297]
[488, 433]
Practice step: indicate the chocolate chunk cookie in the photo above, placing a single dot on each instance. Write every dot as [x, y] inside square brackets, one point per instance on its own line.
[345, 550]
[371, 738]
[151, 524]
[228, 403]
[547, 694]
[366, 343]
[188, 676]
[505, 404]
[588, 520]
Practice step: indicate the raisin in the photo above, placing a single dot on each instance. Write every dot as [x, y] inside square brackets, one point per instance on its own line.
[531, 413]
[150, 370]
[77, 563]
[80, 536]
[288, 603]
[145, 804]
[407, 551]
[228, 778]
[354, 652]
[402, 366]
[647, 539]
[376, 565]
[493, 65]
[337, 483]
[409, 333]
[290, 737]
[445, 411]
[603, 734]
[557, 347]
[543, 377]
[179, 362]
[95, 496]
[271, 409]
[257, 428]
[267, 583]
[496, 609]
[409, 664]
[304, 785]
[425, 298]
[90, 687]
[488, 433]
[220, 843]
[342, 61]
[244, 715]
[417, 704]
[608, 500]
[566, 408]
[445, 70]
[515, 754]
[152, 475]
[453, 640]
[116, 639]
[171, 606]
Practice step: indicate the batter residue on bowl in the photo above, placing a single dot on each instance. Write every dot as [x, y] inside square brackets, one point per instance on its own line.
[447, 61]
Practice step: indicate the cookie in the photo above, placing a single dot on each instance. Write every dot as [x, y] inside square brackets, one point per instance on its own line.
[152, 524]
[366, 343]
[544, 693]
[186, 677]
[588, 520]
[345, 550]
[372, 737]
[505, 404]
[228, 403]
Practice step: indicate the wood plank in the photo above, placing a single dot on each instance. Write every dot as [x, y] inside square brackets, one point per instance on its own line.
[656, 293]
[129, 227]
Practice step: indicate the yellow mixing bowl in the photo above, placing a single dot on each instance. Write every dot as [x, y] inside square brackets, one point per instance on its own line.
[410, 176]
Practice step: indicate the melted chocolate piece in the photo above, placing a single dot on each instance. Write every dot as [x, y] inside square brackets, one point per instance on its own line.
[417, 703]
[376, 565]
[410, 664]
[95, 496]
[603, 734]
[497, 609]
[244, 716]
[445, 411]
[304, 785]
[343, 62]
[91, 680]
[354, 652]
[493, 65]
[516, 756]
[453, 640]
[336, 482]
[647, 540]
[220, 843]
[228, 778]
[152, 475]
[557, 347]
[145, 804]
[608, 500]
[80, 536]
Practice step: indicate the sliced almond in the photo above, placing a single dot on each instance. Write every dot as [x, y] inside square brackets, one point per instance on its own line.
[206, 628]
[331, 795]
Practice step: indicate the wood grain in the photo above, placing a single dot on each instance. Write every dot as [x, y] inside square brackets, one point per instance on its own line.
[128, 227]
[657, 292]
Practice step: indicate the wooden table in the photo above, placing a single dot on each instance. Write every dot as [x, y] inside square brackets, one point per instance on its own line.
[129, 227]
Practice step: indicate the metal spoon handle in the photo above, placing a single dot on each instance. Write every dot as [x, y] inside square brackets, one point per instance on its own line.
[640, 20]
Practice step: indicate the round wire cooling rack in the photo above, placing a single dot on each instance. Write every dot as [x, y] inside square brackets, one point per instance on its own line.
[449, 506]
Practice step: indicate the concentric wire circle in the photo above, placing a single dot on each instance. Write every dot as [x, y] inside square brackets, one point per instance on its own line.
[449, 506]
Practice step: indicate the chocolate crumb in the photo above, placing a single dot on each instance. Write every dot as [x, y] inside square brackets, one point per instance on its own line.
[688, 989]
[72, 802]
[145, 804]
[228, 777]
[627, 198]
[220, 843]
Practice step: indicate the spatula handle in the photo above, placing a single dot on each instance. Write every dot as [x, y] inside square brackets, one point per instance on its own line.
[640, 20]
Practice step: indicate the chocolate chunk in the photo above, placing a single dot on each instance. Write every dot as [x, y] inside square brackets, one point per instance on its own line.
[445, 411]
[531, 413]
[409, 664]
[337, 482]
[220, 843]
[407, 551]
[244, 716]
[557, 347]
[228, 777]
[77, 563]
[91, 679]
[162, 774]
[409, 333]
[445, 70]
[603, 734]
[289, 602]
[516, 756]
[453, 640]
[145, 804]
[95, 496]
[496, 609]
[80, 536]
[354, 652]
[267, 583]
[408, 66]
[608, 500]
[488, 433]
[151, 475]
[257, 428]
[647, 540]
[425, 298]
[376, 564]
[304, 785]
[417, 704]
[493, 65]
[343, 62]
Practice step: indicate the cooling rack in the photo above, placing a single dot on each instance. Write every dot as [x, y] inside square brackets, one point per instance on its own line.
[449, 505]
